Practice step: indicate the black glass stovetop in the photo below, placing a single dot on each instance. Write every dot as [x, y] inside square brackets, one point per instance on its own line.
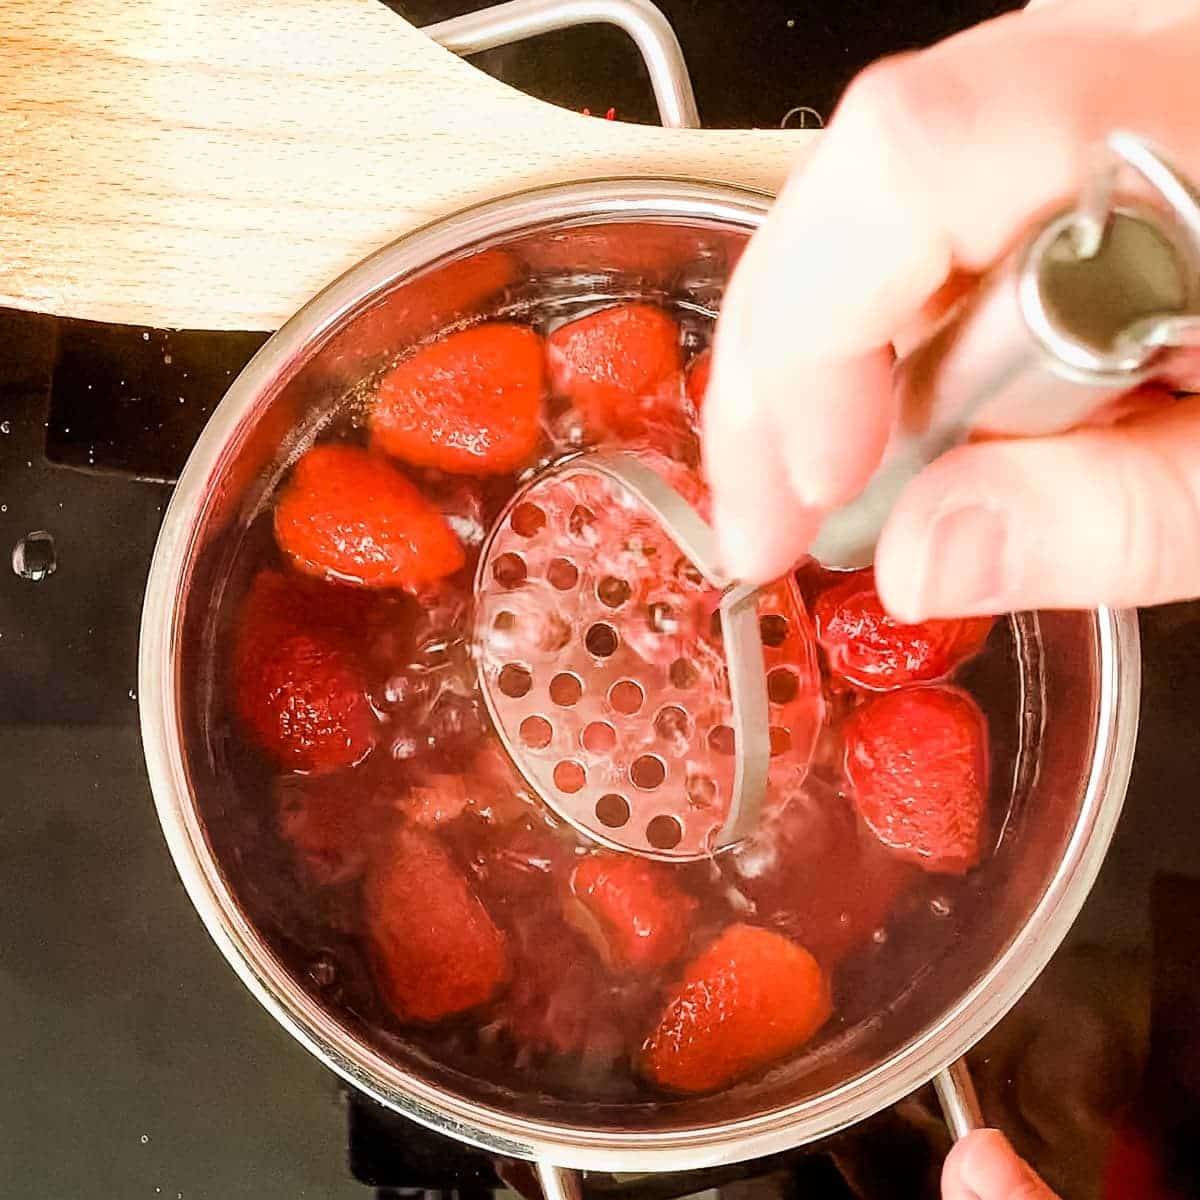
[134, 1064]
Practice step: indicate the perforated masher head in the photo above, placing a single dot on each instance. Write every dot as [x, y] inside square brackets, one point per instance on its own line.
[634, 697]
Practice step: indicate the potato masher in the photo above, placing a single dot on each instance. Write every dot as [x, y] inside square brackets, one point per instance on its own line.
[605, 674]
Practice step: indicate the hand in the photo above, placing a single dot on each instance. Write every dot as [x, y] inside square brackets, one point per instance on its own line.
[983, 1166]
[931, 166]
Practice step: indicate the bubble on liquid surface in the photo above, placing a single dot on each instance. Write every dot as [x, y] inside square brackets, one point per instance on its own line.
[940, 906]
[33, 557]
[323, 970]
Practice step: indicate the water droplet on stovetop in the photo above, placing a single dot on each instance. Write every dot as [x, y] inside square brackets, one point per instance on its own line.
[132, 694]
[33, 557]
[5, 427]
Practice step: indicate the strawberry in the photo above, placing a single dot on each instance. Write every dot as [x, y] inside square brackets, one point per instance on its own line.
[867, 647]
[620, 366]
[348, 515]
[699, 370]
[469, 403]
[434, 949]
[299, 686]
[917, 762]
[749, 999]
[643, 914]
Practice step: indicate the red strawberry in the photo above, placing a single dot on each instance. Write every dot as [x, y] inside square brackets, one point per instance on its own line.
[620, 366]
[699, 371]
[644, 916]
[299, 686]
[469, 403]
[917, 761]
[434, 949]
[749, 999]
[347, 515]
[873, 650]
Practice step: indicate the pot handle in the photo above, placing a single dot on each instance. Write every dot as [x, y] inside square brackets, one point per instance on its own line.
[958, 1099]
[559, 1183]
[643, 21]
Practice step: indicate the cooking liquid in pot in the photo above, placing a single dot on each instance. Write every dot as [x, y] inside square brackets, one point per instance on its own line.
[378, 834]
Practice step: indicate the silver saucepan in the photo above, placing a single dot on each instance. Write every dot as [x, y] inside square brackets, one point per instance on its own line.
[1073, 726]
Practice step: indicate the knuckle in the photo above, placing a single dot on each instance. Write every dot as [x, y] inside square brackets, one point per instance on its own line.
[918, 104]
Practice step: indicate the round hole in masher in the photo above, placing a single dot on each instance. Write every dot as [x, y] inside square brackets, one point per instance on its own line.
[599, 737]
[580, 522]
[563, 574]
[773, 629]
[687, 570]
[565, 689]
[505, 622]
[613, 592]
[536, 733]
[662, 618]
[701, 791]
[672, 723]
[781, 740]
[515, 680]
[527, 520]
[647, 772]
[601, 640]
[721, 740]
[664, 833]
[683, 674]
[509, 570]
[612, 811]
[626, 697]
[569, 776]
[782, 686]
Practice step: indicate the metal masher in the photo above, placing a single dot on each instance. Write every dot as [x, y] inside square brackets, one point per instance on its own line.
[650, 725]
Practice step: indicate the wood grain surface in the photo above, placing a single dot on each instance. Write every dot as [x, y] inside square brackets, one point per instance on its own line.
[214, 163]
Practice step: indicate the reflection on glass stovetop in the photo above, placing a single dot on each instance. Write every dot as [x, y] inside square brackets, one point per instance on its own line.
[137, 1065]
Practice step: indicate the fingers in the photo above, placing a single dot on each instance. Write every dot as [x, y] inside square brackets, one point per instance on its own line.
[932, 165]
[1099, 516]
[983, 1166]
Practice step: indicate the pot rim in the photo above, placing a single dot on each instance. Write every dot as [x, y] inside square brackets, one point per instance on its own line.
[491, 1128]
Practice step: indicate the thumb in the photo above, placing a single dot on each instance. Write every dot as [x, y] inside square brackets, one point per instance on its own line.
[1099, 516]
[983, 1166]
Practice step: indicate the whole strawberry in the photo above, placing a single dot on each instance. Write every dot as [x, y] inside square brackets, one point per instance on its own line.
[434, 949]
[869, 648]
[299, 685]
[348, 515]
[621, 367]
[916, 760]
[643, 916]
[751, 998]
[468, 403]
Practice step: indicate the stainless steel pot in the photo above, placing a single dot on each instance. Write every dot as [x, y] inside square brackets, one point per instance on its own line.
[1074, 731]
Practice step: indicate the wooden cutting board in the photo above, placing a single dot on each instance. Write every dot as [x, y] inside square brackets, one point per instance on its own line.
[214, 163]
